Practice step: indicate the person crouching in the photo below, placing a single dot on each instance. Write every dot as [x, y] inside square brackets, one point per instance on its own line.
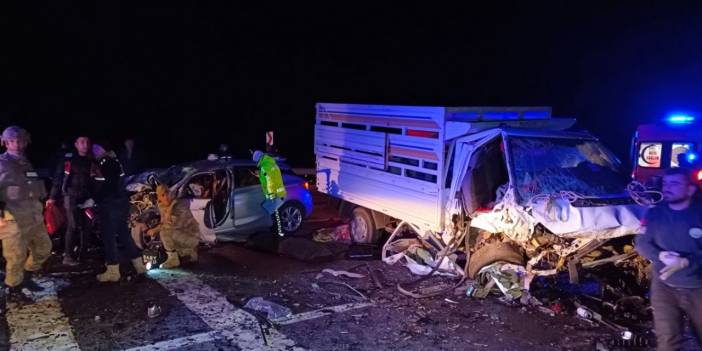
[179, 231]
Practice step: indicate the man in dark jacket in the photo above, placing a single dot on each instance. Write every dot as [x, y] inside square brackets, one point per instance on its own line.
[113, 210]
[73, 185]
[673, 242]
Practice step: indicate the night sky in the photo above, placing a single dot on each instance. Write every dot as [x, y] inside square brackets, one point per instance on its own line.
[184, 77]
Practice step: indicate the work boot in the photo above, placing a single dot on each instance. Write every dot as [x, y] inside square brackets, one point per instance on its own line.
[111, 274]
[69, 261]
[172, 261]
[29, 283]
[15, 295]
[138, 264]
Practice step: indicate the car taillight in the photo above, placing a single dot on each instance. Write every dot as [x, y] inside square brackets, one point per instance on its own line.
[306, 185]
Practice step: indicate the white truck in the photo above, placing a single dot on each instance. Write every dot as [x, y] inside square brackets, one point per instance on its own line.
[530, 192]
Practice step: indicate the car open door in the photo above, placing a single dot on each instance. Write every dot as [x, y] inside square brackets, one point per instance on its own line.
[197, 190]
[220, 212]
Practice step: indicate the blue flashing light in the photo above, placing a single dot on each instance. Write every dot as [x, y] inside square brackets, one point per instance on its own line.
[680, 119]
[692, 157]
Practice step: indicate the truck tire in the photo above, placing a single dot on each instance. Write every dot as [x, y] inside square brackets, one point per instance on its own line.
[492, 253]
[363, 227]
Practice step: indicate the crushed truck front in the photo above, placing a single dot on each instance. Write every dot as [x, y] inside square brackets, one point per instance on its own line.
[563, 200]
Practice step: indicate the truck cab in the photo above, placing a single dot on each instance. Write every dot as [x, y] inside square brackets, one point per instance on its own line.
[677, 142]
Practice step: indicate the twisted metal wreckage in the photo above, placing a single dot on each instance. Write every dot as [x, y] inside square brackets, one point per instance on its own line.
[510, 244]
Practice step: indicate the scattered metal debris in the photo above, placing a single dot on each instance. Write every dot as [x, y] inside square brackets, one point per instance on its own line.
[153, 311]
[337, 273]
[271, 309]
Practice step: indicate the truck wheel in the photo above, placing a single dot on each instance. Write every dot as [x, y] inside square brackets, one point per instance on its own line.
[492, 253]
[362, 226]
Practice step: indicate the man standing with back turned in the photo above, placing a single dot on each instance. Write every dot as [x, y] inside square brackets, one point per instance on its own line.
[673, 242]
[271, 184]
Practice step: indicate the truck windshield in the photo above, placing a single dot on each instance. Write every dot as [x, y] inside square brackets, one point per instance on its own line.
[549, 165]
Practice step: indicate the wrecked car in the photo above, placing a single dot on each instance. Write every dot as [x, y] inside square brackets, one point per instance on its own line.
[225, 198]
[478, 184]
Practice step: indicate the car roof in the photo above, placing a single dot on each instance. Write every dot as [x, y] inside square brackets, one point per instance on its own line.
[225, 162]
[173, 174]
[210, 165]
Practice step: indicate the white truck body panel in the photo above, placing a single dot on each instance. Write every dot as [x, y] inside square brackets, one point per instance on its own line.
[393, 159]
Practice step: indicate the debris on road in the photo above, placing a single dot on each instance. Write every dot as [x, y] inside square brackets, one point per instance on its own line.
[356, 296]
[374, 277]
[153, 311]
[339, 273]
[509, 278]
[418, 256]
[339, 234]
[272, 309]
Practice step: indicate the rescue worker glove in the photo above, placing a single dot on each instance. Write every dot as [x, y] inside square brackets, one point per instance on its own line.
[673, 263]
[87, 203]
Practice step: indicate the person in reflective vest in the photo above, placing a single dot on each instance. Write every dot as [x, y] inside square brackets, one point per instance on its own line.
[271, 184]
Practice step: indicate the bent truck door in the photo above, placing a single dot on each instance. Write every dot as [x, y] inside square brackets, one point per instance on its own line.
[465, 148]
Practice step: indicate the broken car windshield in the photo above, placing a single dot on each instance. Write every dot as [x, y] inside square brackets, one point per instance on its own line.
[550, 165]
[174, 174]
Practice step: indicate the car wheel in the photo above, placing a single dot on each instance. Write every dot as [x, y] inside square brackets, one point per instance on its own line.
[363, 227]
[291, 215]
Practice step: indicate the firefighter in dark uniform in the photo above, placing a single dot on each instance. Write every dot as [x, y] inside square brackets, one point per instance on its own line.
[73, 185]
[25, 243]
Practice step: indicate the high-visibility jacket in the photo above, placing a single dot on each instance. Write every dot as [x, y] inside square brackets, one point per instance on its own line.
[271, 178]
